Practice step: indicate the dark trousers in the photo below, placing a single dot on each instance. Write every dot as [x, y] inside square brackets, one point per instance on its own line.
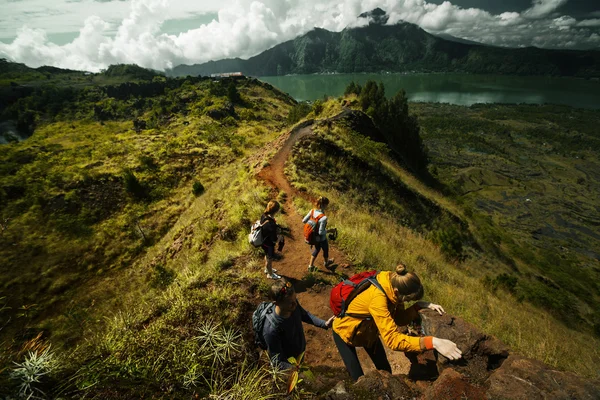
[321, 245]
[350, 358]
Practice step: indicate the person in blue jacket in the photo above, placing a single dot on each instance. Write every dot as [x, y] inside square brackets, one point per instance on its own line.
[283, 331]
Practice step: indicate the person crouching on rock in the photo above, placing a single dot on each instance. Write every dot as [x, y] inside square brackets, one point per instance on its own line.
[269, 231]
[318, 241]
[283, 331]
[374, 313]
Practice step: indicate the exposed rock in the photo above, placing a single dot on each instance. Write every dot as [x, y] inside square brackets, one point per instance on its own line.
[382, 385]
[527, 379]
[481, 353]
[453, 385]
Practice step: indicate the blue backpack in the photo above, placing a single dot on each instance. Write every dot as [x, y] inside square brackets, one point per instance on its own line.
[258, 322]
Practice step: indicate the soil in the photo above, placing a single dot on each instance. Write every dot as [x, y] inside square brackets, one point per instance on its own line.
[321, 354]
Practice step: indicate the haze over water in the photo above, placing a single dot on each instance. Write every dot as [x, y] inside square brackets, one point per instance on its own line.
[461, 89]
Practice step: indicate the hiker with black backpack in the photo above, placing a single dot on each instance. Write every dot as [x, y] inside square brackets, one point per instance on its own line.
[278, 325]
[372, 304]
[269, 230]
[315, 233]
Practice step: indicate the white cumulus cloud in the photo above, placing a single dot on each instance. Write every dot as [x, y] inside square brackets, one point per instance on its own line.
[244, 28]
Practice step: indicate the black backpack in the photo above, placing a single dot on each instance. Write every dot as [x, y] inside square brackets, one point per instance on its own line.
[258, 322]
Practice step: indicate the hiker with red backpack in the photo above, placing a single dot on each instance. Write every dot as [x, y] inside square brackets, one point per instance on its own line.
[315, 233]
[372, 304]
[270, 238]
[278, 325]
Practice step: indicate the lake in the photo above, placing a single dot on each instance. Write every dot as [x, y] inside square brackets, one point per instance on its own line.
[462, 89]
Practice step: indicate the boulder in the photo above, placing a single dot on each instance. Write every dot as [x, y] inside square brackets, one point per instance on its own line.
[453, 385]
[481, 353]
[522, 378]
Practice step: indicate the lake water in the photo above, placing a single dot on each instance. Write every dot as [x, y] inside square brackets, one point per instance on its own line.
[462, 89]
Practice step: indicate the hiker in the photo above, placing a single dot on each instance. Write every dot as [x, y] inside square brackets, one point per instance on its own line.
[375, 313]
[317, 220]
[283, 332]
[269, 232]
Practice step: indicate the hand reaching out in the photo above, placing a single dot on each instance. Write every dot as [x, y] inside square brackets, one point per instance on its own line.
[447, 348]
[431, 306]
[329, 322]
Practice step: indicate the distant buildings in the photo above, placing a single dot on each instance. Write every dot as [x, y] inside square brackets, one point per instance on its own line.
[227, 75]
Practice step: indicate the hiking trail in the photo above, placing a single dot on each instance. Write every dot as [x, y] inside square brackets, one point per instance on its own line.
[321, 353]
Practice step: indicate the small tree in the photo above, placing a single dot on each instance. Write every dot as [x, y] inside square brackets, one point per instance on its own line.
[232, 93]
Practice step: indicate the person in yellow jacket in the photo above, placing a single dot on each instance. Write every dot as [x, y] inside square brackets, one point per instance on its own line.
[374, 313]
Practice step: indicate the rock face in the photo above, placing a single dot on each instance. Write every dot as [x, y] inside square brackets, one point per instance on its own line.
[487, 370]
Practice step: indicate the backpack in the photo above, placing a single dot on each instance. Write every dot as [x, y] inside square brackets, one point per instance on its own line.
[255, 237]
[346, 291]
[310, 228]
[258, 322]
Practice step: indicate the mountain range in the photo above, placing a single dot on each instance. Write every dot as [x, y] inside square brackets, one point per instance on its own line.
[403, 47]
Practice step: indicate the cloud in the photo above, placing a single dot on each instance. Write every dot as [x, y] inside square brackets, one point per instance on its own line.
[244, 28]
[542, 8]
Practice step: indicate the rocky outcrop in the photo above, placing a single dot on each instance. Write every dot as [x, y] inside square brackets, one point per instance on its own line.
[488, 370]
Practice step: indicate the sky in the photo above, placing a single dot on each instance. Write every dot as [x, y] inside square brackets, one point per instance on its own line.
[93, 34]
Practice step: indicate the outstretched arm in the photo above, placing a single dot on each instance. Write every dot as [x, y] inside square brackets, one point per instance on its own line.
[311, 319]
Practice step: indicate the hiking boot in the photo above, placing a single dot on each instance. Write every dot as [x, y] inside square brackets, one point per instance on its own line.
[273, 276]
[312, 268]
[272, 269]
[329, 264]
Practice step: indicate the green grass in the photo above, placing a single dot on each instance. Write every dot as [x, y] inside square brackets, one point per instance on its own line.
[479, 285]
[102, 220]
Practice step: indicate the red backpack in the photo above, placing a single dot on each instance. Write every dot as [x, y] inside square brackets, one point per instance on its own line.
[310, 228]
[346, 291]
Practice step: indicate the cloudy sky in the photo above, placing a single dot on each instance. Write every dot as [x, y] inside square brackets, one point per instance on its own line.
[92, 34]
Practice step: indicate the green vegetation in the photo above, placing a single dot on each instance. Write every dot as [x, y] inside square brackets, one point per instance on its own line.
[124, 221]
[108, 248]
[463, 244]
[400, 129]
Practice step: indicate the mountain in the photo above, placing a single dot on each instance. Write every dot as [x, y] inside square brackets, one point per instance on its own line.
[451, 38]
[402, 47]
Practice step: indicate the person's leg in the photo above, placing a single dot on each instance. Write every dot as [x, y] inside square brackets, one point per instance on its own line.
[349, 356]
[377, 354]
[325, 247]
[313, 256]
[269, 251]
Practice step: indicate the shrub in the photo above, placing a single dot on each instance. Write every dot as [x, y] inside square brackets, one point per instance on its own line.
[162, 277]
[298, 112]
[197, 188]
[133, 186]
[317, 107]
[503, 281]
[450, 242]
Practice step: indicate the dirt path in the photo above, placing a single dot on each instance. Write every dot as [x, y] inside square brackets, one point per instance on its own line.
[321, 353]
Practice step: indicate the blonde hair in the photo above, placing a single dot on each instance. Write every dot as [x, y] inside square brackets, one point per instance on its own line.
[322, 201]
[407, 283]
[272, 207]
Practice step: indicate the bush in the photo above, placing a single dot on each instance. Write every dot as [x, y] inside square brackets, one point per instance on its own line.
[450, 242]
[197, 188]
[299, 111]
[133, 186]
[503, 281]
[317, 107]
[162, 277]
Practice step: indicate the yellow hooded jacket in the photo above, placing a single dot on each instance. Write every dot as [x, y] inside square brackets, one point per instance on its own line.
[387, 315]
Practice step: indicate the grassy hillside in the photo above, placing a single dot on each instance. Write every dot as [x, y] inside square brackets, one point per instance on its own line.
[124, 263]
[471, 260]
[99, 203]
